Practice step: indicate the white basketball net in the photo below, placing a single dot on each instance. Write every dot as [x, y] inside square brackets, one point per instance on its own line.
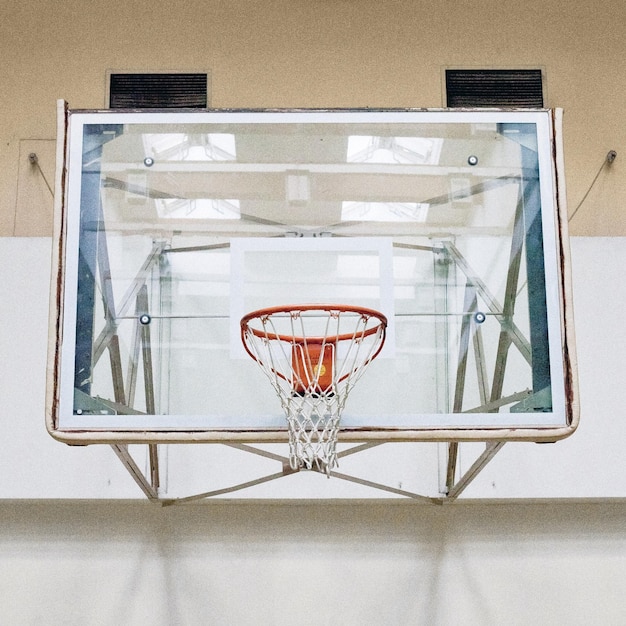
[313, 357]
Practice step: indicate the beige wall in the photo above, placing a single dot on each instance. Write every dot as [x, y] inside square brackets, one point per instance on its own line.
[311, 53]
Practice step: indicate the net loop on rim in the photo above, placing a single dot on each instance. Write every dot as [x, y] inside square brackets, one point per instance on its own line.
[313, 355]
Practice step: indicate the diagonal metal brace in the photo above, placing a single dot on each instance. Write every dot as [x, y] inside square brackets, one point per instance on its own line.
[491, 449]
[150, 488]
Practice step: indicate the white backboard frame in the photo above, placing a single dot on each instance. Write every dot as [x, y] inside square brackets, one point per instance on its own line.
[67, 425]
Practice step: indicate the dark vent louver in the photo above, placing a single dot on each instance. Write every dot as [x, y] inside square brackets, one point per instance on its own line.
[494, 88]
[158, 91]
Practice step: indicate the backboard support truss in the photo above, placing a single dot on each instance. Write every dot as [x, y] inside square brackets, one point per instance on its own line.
[445, 252]
[149, 482]
[125, 385]
[119, 353]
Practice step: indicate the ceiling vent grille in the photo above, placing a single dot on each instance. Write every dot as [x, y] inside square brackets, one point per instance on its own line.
[494, 88]
[158, 91]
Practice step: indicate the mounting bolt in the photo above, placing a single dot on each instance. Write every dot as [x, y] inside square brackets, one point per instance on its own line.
[33, 159]
[479, 317]
[472, 159]
[148, 161]
[611, 156]
[144, 319]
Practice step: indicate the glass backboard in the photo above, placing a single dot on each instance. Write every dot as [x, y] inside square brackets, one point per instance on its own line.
[173, 225]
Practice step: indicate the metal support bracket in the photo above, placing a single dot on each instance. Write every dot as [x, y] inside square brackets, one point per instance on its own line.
[150, 483]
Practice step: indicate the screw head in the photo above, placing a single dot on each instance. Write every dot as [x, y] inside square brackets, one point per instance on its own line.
[479, 317]
[144, 319]
[472, 160]
[148, 161]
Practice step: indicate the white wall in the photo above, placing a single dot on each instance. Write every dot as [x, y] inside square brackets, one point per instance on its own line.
[587, 465]
[77, 549]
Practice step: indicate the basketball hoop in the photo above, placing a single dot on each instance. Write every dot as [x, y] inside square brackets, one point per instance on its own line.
[313, 355]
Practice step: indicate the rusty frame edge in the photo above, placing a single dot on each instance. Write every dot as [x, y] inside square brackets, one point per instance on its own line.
[57, 274]
[570, 361]
[519, 434]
